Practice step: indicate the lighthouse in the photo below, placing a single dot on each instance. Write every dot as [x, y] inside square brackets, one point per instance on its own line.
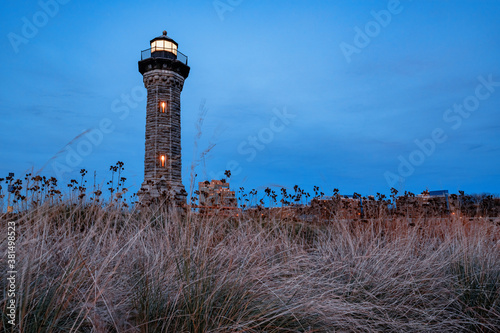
[164, 69]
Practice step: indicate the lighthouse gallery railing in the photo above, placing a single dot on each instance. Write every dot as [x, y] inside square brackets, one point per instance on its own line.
[180, 56]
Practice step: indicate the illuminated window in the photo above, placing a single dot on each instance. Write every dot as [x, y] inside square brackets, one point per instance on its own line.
[162, 159]
[163, 106]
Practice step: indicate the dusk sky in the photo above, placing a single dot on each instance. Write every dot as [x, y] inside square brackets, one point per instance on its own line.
[356, 95]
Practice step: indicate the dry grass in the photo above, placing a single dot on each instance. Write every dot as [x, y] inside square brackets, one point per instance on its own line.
[94, 269]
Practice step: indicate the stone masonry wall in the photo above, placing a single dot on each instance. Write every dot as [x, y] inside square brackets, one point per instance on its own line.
[163, 134]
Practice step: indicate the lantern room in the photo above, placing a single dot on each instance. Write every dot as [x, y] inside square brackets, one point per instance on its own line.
[164, 47]
[164, 54]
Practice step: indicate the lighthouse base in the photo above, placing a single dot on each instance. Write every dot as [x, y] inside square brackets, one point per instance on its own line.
[160, 192]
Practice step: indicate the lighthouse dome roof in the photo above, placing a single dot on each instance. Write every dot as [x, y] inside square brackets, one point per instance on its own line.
[164, 37]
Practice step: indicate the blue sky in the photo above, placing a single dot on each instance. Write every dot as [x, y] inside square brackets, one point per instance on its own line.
[355, 95]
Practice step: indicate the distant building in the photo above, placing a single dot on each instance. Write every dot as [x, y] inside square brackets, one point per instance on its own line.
[216, 194]
[441, 196]
[428, 203]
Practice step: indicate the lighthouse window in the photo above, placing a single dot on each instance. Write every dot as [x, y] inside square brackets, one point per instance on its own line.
[163, 106]
[162, 160]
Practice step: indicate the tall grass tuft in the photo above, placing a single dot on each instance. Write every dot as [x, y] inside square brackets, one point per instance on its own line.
[102, 268]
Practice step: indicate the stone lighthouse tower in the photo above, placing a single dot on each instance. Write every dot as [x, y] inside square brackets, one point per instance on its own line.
[164, 70]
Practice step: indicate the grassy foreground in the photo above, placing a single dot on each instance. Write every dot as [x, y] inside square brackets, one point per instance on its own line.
[94, 269]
